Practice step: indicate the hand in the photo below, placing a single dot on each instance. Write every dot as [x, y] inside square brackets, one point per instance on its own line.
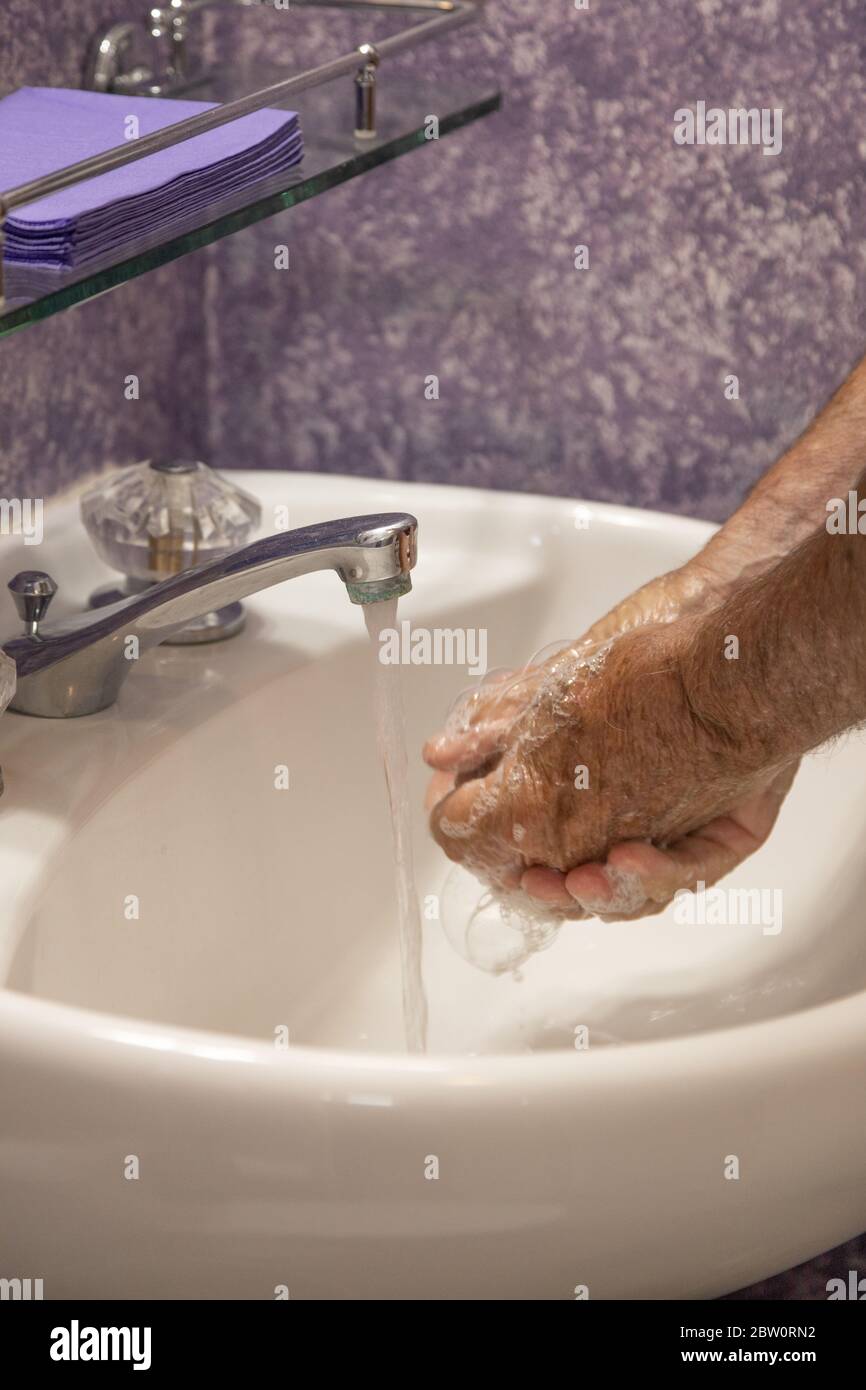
[670, 798]
[479, 724]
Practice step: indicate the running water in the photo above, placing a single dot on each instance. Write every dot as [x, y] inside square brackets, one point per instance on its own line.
[391, 731]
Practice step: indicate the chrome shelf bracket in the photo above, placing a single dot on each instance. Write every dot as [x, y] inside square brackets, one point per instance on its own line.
[365, 93]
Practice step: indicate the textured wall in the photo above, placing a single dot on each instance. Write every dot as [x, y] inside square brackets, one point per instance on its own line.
[458, 260]
[62, 406]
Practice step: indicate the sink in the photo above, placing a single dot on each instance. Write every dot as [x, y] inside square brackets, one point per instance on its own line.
[169, 917]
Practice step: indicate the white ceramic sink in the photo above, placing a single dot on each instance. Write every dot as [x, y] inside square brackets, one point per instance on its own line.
[263, 1166]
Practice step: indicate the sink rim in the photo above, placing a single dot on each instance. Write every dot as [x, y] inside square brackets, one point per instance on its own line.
[796, 1040]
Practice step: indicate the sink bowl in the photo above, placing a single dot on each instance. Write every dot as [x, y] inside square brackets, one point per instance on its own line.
[170, 919]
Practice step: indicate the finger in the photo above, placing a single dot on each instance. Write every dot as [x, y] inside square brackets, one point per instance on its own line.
[639, 879]
[547, 886]
[613, 889]
[440, 784]
[707, 854]
[704, 856]
[466, 749]
[467, 823]
[479, 722]
[508, 877]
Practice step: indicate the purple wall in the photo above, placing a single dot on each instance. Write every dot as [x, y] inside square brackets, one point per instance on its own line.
[458, 260]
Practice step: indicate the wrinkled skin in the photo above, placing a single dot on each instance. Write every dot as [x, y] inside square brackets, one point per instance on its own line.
[487, 712]
[670, 801]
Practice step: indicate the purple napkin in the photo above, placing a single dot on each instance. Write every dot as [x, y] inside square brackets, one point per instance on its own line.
[48, 128]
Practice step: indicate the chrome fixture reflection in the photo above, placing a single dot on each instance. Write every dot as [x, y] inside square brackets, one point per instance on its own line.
[365, 93]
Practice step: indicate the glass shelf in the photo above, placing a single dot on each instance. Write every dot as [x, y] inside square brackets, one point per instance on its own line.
[332, 155]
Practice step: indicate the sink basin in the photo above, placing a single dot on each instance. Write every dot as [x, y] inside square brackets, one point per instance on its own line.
[169, 917]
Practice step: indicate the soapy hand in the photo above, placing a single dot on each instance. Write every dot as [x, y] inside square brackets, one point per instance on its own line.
[479, 725]
[589, 780]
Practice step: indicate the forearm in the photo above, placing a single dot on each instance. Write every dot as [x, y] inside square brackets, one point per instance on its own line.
[789, 501]
[783, 509]
[780, 667]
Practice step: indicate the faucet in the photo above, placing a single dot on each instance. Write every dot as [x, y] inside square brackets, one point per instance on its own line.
[77, 666]
[119, 61]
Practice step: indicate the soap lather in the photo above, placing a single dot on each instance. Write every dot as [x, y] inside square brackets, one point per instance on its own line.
[161, 517]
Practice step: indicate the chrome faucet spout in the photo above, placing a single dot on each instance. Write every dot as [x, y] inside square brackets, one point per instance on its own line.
[77, 666]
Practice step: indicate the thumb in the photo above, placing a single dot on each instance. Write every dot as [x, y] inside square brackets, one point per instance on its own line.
[472, 825]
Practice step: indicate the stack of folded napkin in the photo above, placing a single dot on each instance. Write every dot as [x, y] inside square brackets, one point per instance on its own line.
[47, 128]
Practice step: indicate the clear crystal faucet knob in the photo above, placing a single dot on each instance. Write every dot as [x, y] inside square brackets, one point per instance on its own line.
[161, 517]
[32, 591]
[157, 518]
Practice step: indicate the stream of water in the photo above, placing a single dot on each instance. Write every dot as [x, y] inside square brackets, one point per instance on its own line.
[391, 732]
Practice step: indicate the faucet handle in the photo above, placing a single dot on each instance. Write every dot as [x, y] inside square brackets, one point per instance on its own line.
[154, 519]
[32, 591]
